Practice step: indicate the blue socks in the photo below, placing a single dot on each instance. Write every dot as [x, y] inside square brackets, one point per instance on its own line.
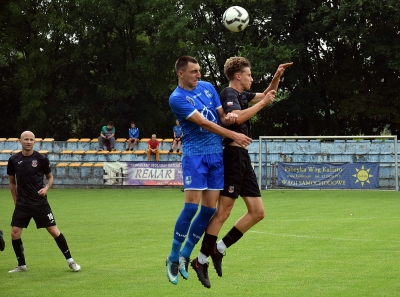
[181, 229]
[197, 229]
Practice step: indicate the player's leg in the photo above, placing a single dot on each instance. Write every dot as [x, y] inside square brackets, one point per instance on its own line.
[20, 220]
[192, 199]
[208, 245]
[44, 218]
[255, 209]
[215, 183]
[135, 141]
[129, 144]
[2, 242]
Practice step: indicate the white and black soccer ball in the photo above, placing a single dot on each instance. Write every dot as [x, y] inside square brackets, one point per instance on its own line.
[235, 18]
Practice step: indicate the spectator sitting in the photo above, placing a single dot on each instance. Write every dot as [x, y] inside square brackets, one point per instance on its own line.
[133, 136]
[152, 148]
[178, 136]
[107, 134]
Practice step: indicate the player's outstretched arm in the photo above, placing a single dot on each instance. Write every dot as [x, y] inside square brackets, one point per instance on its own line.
[239, 138]
[274, 83]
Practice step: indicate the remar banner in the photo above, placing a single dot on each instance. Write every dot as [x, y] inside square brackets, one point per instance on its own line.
[329, 176]
[143, 173]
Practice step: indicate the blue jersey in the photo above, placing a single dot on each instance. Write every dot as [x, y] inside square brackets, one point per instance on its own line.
[184, 103]
[178, 131]
[133, 132]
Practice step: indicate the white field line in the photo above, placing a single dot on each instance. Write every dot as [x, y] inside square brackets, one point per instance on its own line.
[323, 237]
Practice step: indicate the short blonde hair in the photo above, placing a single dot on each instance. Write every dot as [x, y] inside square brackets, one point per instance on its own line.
[234, 65]
[153, 136]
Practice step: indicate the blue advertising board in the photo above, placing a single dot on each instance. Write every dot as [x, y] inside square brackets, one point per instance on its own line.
[329, 176]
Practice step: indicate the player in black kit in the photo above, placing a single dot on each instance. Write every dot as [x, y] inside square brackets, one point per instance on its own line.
[25, 173]
[239, 176]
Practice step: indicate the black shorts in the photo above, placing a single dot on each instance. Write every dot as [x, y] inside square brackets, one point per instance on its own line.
[239, 176]
[42, 215]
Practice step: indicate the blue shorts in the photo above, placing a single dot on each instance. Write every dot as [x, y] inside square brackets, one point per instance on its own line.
[203, 172]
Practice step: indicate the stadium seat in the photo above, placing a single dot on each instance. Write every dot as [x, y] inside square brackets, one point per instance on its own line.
[62, 164]
[44, 152]
[38, 139]
[3, 139]
[87, 164]
[168, 140]
[144, 140]
[91, 152]
[115, 152]
[74, 164]
[79, 152]
[16, 151]
[73, 140]
[7, 152]
[103, 152]
[139, 152]
[120, 140]
[12, 139]
[95, 140]
[3, 163]
[66, 152]
[164, 152]
[84, 140]
[48, 140]
[98, 165]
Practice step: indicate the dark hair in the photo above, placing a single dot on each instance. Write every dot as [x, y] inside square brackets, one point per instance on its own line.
[132, 123]
[110, 123]
[182, 62]
[234, 65]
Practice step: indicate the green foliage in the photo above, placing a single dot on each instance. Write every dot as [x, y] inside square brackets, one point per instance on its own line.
[68, 67]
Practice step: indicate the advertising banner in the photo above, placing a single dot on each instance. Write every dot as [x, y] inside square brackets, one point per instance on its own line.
[329, 176]
[143, 173]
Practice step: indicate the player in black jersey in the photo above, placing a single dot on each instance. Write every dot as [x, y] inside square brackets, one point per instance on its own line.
[239, 176]
[26, 170]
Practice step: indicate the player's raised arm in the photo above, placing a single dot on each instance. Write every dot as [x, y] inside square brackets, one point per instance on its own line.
[274, 83]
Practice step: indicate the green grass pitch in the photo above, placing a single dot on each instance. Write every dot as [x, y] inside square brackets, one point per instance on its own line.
[311, 243]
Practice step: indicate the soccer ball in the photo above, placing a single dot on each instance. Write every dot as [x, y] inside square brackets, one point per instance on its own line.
[235, 18]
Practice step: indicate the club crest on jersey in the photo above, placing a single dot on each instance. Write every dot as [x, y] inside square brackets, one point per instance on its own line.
[190, 100]
[229, 103]
[188, 180]
[34, 163]
[208, 93]
[231, 189]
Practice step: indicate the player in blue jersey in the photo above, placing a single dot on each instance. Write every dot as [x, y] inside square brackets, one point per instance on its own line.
[239, 177]
[197, 107]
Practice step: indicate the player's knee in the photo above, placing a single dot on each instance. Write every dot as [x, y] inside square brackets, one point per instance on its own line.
[222, 216]
[259, 215]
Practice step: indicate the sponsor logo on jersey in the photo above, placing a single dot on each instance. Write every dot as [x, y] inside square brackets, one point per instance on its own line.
[231, 189]
[229, 103]
[34, 163]
[190, 100]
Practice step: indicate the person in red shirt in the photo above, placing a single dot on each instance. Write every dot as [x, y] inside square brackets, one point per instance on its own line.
[153, 147]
